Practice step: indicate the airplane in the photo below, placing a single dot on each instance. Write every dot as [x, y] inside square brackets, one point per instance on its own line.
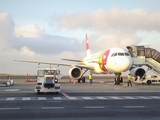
[110, 61]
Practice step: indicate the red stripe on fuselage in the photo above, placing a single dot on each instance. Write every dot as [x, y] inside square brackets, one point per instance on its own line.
[104, 59]
[105, 56]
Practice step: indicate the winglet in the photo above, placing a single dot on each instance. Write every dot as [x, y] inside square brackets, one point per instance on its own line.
[87, 46]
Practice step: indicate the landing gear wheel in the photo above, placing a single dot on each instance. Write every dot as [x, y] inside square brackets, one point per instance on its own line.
[149, 82]
[115, 81]
[121, 79]
[83, 79]
[79, 80]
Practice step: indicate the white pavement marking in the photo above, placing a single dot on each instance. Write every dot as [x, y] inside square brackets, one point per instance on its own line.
[54, 101]
[26, 98]
[10, 99]
[9, 108]
[143, 97]
[57, 98]
[41, 98]
[155, 97]
[87, 98]
[134, 106]
[102, 98]
[94, 107]
[72, 98]
[12, 89]
[79, 98]
[52, 107]
[129, 97]
[65, 94]
[114, 97]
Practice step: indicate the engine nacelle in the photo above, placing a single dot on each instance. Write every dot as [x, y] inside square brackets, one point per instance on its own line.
[75, 73]
[137, 71]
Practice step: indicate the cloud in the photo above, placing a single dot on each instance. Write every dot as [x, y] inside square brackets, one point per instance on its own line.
[6, 31]
[47, 44]
[30, 42]
[115, 39]
[6, 26]
[30, 38]
[101, 20]
[117, 27]
[108, 29]
[30, 30]
[25, 51]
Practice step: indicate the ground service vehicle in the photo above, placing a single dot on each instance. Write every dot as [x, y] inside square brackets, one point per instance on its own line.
[7, 83]
[47, 80]
[148, 80]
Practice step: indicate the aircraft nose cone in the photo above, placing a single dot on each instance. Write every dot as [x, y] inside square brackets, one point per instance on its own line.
[127, 64]
[124, 64]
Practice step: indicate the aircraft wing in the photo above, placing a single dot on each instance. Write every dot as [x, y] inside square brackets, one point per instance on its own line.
[90, 67]
[73, 60]
[42, 62]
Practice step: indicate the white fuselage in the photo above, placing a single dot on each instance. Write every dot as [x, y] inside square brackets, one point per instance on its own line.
[114, 60]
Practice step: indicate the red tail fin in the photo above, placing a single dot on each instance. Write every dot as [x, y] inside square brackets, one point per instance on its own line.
[87, 46]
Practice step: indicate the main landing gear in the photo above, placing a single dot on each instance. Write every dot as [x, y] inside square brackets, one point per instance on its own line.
[83, 79]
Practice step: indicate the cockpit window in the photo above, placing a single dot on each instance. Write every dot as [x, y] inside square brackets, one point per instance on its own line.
[120, 54]
[127, 54]
[112, 55]
[115, 54]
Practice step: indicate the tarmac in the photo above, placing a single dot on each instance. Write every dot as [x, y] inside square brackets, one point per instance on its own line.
[98, 86]
[81, 101]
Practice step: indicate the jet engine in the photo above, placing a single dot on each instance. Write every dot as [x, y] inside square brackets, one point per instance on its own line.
[137, 71]
[75, 73]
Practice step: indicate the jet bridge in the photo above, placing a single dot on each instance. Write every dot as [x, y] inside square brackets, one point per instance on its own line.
[145, 56]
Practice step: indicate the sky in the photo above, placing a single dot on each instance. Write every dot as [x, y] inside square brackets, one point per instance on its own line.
[49, 30]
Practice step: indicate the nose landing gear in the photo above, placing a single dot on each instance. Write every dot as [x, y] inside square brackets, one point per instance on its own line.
[118, 79]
